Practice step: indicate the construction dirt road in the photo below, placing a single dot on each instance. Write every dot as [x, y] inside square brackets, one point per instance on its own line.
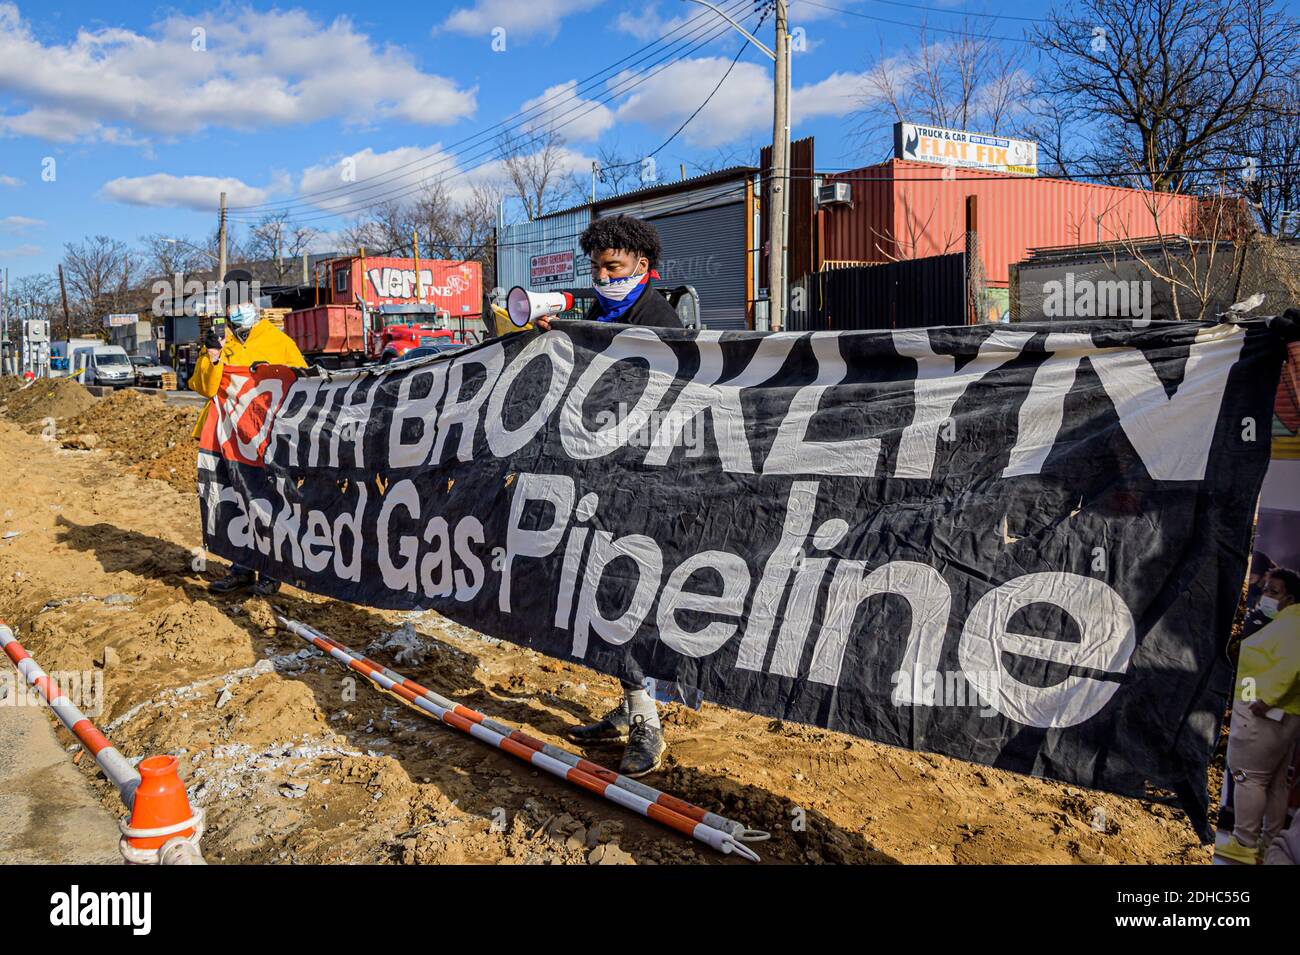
[295, 761]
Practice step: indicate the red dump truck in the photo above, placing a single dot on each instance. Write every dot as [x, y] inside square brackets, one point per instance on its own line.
[376, 309]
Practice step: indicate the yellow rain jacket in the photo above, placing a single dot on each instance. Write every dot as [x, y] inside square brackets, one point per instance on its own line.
[265, 343]
[1271, 657]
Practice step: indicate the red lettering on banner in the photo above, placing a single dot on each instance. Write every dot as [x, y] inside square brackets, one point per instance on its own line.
[238, 424]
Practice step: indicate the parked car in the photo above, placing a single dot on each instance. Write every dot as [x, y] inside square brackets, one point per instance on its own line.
[148, 373]
[439, 347]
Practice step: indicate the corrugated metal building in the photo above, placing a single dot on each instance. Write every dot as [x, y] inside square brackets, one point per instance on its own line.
[907, 210]
[706, 224]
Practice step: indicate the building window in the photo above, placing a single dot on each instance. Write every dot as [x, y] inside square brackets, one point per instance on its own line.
[341, 280]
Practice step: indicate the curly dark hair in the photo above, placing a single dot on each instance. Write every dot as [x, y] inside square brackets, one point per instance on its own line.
[625, 233]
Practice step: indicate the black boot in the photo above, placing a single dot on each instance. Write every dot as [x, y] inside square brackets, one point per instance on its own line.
[237, 579]
[610, 727]
[266, 586]
[645, 749]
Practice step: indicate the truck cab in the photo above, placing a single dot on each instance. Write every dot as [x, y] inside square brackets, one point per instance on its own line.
[403, 327]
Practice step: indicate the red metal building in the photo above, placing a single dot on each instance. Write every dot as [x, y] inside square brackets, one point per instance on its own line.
[908, 210]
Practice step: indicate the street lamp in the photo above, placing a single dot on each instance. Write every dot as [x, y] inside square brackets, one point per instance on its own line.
[779, 215]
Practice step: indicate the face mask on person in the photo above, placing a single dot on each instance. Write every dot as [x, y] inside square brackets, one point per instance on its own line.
[244, 316]
[1268, 607]
[615, 290]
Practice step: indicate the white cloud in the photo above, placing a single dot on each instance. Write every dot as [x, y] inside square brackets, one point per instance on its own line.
[20, 252]
[741, 107]
[258, 69]
[186, 192]
[19, 225]
[648, 23]
[837, 95]
[575, 118]
[368, 178]
[10, 181]
[519, 18]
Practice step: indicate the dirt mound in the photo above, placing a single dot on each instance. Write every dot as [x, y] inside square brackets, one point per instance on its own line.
[143, 432]
[46, 398]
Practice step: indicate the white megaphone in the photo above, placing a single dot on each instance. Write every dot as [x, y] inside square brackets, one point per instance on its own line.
[524, 306]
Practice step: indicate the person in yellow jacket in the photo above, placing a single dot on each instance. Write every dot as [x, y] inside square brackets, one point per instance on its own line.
[248, 341]
[1265, 721]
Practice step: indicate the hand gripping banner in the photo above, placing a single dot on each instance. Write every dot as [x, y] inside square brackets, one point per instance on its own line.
[1021, 545]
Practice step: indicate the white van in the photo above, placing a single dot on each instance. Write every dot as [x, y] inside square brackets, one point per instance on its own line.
[103, 365]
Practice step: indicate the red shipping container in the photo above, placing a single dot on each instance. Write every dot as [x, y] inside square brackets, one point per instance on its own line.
[907, 210]
[454, 287]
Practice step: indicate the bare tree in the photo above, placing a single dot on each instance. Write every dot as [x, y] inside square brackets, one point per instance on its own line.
[164, 255]
[1160, 84]
[456, 230]
[35, 296]
[965, 79]
[1272, 185]
[616, 172]
[278, 240]
[723, 157]
[1198, 259]
[534, 166]
[98, 271]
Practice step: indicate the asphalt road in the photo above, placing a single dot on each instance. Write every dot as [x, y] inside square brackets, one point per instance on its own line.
[47, 812]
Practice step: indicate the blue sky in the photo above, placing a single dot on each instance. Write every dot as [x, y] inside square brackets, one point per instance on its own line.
[144, 109]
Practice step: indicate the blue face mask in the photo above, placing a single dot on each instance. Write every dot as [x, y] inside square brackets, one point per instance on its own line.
[244, 316]
[617, 295]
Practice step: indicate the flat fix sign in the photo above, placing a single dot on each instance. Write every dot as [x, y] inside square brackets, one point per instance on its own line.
[551, 268]
[956, 147]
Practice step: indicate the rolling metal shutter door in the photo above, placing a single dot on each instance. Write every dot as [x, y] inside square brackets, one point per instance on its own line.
[706, 249]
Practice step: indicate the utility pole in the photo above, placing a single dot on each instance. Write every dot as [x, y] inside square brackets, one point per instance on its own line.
[221, 242]
[779, 215]
[4, 329]
[67, 316]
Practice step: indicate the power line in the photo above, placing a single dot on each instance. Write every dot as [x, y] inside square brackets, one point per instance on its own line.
[918, 26]
[698, 109]
[357, 201]
[519, 119]
[948, 13]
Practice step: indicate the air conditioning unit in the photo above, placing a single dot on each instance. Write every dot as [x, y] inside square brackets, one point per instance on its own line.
[833, 194]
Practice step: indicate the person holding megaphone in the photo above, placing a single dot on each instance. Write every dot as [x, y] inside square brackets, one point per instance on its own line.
[624, 251]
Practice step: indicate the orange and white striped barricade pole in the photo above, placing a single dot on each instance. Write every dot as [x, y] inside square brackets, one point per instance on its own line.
[473, 724]
[166, 832]
[573, 760]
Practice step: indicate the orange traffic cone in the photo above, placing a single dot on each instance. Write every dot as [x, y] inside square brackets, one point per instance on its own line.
[160, 801]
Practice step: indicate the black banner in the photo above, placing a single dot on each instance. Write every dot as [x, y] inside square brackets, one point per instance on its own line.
[1020, 545]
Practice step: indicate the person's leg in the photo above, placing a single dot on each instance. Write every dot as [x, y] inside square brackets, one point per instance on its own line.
[640, 703]
[645, 739]
[1285, 849]
[635, 719]
[1254, 753]
[266, 586]
[612, 727]
[1279, 789]
[239, 577]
